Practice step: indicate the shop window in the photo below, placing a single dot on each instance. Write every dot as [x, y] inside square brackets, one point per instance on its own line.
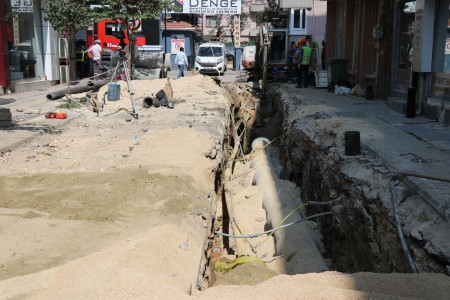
[113, 29]
[298, 21]
[441, 80]
[21, 40]
[211, 21]
[447, 46]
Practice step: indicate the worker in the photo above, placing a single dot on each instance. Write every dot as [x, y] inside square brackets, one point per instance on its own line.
[305, 62]
[95, 52]
[290, 61]
[296, 59]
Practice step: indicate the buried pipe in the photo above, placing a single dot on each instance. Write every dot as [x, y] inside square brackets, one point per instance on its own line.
[77, 89]
[297, 242]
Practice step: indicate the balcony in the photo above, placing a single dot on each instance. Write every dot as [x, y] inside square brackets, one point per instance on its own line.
[257, 6]
[299, 4]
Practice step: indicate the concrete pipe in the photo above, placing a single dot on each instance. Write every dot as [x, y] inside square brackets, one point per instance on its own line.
[280, 198]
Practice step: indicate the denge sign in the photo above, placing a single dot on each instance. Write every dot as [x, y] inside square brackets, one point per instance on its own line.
[212, 7]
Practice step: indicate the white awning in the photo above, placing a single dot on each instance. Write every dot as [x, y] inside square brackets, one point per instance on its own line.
[296, 3]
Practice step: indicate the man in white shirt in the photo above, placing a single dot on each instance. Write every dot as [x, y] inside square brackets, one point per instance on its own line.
[181, 61]
[95, 52]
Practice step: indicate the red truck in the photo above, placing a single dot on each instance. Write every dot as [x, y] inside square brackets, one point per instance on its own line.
[109, 33]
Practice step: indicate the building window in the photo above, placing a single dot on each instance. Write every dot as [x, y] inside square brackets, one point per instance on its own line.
[298, 21]
[447, 46]
[211, 21]
[441, 80]
[406, 34]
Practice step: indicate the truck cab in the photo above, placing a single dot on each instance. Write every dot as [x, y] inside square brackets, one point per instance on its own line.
[111, 35]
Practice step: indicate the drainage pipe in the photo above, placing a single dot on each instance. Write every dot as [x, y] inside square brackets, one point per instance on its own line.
[297, 242]
[77, 89]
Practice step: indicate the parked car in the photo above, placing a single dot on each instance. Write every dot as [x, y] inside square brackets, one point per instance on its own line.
[211, 58]
[230, 52]
[248, 57]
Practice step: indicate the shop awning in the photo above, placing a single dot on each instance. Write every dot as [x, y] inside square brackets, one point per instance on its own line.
[296, 3]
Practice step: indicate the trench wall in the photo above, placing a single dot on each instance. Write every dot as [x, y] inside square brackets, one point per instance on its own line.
[361, 235]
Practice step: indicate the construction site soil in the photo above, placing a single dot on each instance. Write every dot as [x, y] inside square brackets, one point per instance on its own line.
[113, 207]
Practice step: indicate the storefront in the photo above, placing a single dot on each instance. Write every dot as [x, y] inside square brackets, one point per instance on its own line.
[423, 56]
[441, 76]
[21, 39]
[31, 46]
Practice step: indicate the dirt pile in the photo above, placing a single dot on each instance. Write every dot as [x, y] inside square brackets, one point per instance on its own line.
[115, 207]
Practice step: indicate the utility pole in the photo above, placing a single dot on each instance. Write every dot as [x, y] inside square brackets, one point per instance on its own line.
[165, 42]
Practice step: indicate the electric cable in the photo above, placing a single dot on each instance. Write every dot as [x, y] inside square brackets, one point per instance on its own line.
[254, 235]
[399, 229]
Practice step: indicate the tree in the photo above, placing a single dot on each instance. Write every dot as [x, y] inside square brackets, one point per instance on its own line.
[67, 17]
[218, 32]
[270, 13]
[243, 17]
[127, 10]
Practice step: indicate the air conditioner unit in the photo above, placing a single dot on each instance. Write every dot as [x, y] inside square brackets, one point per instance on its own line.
[62, 48]
[63, 74]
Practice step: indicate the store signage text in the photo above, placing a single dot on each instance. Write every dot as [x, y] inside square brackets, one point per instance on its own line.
[237, 31]
[22, 6]
[441, 84]
[212, 6]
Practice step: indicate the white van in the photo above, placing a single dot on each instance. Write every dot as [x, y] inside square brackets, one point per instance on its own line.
[211, 58]
[249, 57]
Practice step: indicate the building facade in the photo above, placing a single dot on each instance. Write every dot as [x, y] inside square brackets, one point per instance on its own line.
[297, 18]
[32, 49]
[399, 47]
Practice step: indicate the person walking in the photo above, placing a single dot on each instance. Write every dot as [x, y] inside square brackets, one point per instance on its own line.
[182, 62]
[95, 52]
[304, 64]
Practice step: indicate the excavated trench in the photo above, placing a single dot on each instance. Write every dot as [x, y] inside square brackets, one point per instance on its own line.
[359, 236]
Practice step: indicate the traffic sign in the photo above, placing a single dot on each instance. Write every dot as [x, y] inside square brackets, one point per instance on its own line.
[134, 24]
[176, 45]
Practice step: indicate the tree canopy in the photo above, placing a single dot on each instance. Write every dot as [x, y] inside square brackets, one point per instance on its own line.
[68, 16]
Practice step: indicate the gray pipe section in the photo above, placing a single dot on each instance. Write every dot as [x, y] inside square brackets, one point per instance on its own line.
[77, 89]
[297, 243]
[98, 83]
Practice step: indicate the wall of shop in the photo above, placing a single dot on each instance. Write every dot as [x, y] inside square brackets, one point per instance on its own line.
[31, 46]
